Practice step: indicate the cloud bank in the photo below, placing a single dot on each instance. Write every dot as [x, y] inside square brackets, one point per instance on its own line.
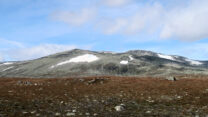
[10, 42]
[37, 51]
[1, 58]
[76, 18]
[146, 19]
[187, 22]
[116, 3]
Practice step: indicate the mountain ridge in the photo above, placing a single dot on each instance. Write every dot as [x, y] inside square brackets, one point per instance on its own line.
[80, 63]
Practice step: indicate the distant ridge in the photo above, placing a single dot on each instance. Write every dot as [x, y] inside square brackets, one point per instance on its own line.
[91, 63]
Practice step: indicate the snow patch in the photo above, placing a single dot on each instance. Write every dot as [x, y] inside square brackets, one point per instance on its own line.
[193, 62]
[109, 52]
[8, 68]
[166, 56]
[131, 58]
[83, 58]
[52, 66]
[124, 62]
[7, 63]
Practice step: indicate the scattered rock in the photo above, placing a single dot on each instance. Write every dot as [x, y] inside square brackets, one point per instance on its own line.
[166, 98]
[10, 91]
[37, 114]
[148, 112]
[179, 97]
[196, 115]
[96, 80]
[81, 80]
[171, 78]
[70, 114]
[24, 112]
[33, 112]
[206, 91]
[74, 111]
[87, 114]
[24, 83]
[95, 114]
[120, 108]
[58, 114]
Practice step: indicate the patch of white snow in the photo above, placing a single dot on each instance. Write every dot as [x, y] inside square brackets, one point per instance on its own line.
[124, 62]
[79, 59]
[7, 68]
[166, 56]
[193, 62]
[108, 52]
[52, 66]
[7, 63]
[131, 58]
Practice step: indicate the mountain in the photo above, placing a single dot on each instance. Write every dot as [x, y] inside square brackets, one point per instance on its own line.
[79, 63]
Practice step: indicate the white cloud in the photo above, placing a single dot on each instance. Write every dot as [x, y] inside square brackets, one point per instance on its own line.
[37, 51]
[10, 42]
[187, 23]
[183, 20]
[116, 3]
[1, 58]
[76, 18]
[111, 27]
[147, 18]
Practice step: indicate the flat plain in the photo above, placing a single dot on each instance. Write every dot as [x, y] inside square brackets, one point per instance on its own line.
[104, 96]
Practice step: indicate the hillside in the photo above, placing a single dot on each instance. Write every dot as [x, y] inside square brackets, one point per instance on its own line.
[79, 63]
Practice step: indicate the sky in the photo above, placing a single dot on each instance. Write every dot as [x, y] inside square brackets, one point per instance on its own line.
[30, 29]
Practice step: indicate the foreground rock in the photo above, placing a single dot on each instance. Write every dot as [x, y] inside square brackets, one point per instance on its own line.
[171, 78]
[120, 107]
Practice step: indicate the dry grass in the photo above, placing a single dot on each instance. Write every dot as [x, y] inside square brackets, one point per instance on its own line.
[185, 97]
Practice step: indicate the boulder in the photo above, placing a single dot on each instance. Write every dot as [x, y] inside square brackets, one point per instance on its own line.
[171, 78]
[120, 108]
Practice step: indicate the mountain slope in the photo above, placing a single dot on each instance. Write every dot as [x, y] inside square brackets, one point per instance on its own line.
[90, 63]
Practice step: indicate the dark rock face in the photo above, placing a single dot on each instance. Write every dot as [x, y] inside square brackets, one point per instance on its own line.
[131, 63]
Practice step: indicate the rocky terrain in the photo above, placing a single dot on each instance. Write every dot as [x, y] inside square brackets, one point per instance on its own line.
[81, 83]
[104, 97]
[78, 63]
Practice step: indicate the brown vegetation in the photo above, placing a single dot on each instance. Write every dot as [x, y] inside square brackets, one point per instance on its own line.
[97, 96]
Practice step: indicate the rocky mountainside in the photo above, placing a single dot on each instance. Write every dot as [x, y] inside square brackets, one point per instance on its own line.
[77, 63]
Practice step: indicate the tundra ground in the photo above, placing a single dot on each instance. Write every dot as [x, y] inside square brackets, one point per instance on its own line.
[98, 97]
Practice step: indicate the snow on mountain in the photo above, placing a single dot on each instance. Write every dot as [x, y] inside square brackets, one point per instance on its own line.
[166, 57]
[108, 52]
[131, 58]
[7, 68]
[7, 63]
[193, 62]
[124, 62]
[79, 59]
[89, 63]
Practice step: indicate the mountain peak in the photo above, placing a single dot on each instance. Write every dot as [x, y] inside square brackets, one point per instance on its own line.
[78, 62]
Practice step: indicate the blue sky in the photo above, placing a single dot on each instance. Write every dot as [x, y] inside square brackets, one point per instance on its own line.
[31, 29]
